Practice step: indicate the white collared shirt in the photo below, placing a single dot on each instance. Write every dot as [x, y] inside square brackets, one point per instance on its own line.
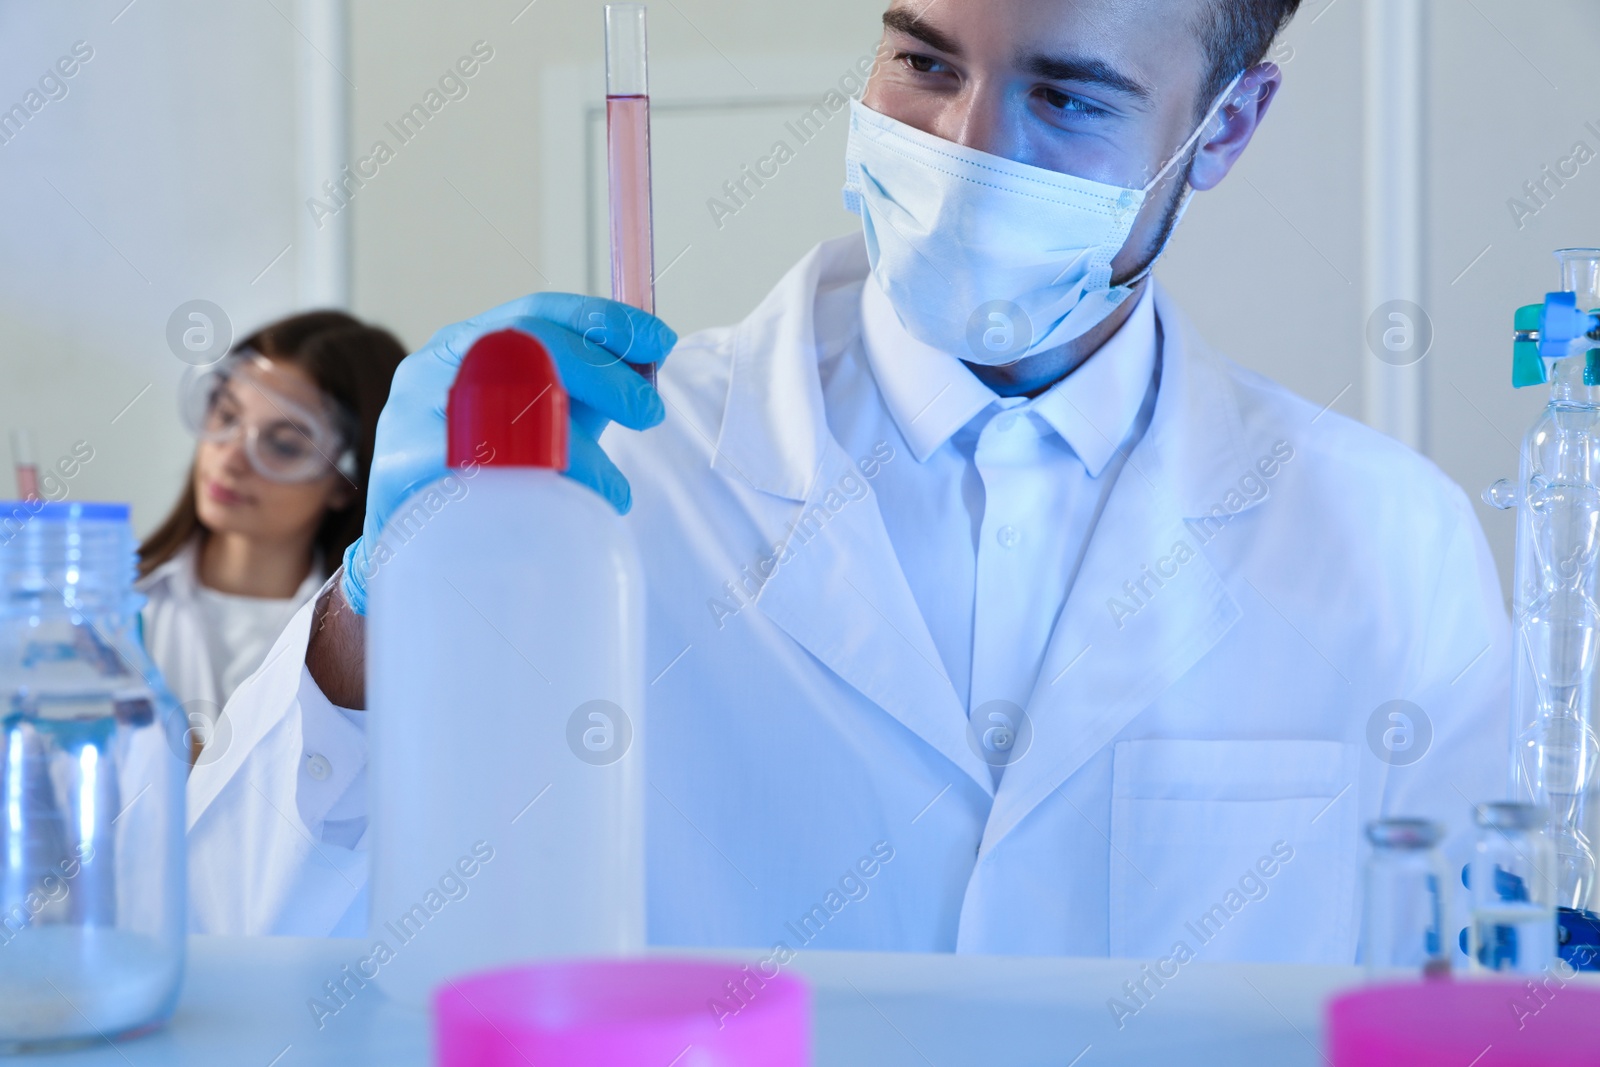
[204, 642]
[991, 512]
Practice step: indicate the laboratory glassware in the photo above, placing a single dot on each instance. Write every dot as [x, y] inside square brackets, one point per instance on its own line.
[92, 860]
[505, 658]
[1556, 585]
[628, 162]
[1405, 913]
[1512, 877]
[26, 466]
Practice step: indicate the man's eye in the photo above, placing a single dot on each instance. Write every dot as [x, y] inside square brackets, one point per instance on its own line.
[1066, 102]
[919, 63]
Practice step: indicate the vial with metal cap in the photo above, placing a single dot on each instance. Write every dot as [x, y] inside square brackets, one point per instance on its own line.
[1406, 911]
[1513, 881]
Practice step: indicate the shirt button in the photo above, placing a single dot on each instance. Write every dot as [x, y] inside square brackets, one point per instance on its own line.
[318, 767]
[1007, 423]
[1007, 536]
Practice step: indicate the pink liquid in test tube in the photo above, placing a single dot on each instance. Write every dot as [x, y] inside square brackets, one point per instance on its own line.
[628, 161]
[27, 467]
[27, 481]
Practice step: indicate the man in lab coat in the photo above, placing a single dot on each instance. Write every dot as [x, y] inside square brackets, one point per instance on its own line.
[1079, 638]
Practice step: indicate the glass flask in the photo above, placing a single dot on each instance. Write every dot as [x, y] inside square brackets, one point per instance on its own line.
[92, 863]
[1556, 587]
[1513, 882]
[1405, 908]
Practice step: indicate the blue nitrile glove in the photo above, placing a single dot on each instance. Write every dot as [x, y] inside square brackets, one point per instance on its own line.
[587, 337]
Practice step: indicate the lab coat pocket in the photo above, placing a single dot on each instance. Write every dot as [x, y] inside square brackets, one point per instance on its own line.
[1241, 850]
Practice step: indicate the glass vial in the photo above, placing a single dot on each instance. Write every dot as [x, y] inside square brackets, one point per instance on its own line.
[1513, 882]
[1405, 912]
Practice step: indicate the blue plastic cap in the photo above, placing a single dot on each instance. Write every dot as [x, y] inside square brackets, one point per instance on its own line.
[1562, 323]
[65, 511]
[1527, 368]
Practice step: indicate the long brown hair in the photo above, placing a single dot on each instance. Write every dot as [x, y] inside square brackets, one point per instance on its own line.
[352, 363]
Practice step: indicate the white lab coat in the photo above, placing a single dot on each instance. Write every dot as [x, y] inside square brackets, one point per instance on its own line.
[1200, 765]
[173, 624]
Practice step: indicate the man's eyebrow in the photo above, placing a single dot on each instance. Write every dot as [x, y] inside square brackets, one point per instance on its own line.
[1091, 71]
[911, 24]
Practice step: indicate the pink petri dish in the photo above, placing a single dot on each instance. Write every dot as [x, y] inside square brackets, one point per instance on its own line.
[1448, 1023]
[610, 1013]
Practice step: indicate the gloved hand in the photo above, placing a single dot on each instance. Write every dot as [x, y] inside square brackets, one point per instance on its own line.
[587, 337]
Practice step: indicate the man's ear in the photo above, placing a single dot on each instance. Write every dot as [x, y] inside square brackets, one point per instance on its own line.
[1234, 125]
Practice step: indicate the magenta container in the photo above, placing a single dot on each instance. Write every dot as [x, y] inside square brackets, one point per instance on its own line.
[1489, 1023]
[623, 1012]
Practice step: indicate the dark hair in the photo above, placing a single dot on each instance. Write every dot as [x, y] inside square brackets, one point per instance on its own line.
[1236, 35]
[353, 364]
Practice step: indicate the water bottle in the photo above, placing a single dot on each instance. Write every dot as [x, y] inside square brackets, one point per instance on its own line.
[505, 649]
[92, 871]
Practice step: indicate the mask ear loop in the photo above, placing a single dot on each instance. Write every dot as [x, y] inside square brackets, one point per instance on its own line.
[1188, 193]
[1199, 131]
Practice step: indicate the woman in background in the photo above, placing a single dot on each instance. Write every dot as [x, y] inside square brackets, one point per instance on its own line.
[285, 427]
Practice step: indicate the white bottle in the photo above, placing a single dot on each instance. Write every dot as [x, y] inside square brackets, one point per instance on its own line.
[505, 642]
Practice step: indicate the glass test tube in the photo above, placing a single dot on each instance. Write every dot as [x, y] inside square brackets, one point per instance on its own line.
[628, 162]
[27, 467]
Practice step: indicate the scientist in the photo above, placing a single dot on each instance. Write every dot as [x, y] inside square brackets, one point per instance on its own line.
[284, 429]
[964, 547]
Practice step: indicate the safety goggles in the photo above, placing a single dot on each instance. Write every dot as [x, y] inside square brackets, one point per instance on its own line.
[246, 397]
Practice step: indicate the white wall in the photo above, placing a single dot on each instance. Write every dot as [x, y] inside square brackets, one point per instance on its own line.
[177, 142]
[1270, 265]
[491, 201]
[164, 175]
[1511, 93]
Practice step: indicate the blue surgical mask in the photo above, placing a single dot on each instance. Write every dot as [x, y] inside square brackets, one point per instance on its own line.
[982, 257]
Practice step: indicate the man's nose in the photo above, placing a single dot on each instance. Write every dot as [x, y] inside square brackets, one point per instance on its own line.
[980, 118]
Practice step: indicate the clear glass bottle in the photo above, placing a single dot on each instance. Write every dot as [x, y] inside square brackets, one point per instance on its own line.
[1405, 913]
[92, 862]
[1513, 882]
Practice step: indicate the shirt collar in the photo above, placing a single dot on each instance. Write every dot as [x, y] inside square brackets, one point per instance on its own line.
[931, 394]
[179, 569]
[1094, 407]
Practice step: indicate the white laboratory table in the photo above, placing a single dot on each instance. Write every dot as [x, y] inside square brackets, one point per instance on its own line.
[244, 1004]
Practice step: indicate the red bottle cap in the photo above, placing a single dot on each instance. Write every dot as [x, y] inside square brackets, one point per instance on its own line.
[507, 407]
